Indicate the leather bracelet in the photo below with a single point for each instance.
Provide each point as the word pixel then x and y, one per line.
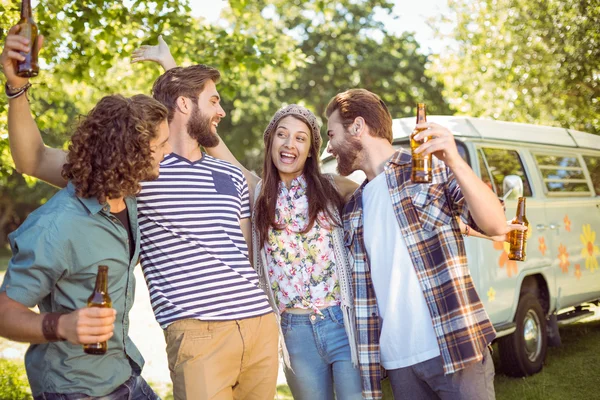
pixel 12 92
pixel 50 326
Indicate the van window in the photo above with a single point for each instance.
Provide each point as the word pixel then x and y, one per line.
pixel 562 174
pixel 486 177
pixel 503 162
pixel 593 164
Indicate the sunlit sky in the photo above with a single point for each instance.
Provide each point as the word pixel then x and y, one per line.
pixel 407 15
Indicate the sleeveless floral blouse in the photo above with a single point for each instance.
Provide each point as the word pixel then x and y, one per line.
pixel 301 267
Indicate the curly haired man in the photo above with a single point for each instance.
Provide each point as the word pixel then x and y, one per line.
pixel 57 250
pixel 220 330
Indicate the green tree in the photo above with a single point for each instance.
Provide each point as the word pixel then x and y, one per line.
pixel 528 61
pixel 86 56
pixel 334 46
pixel 270 53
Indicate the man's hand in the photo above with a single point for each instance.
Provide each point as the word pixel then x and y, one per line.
pixel 440 143
pixel 87 325
pixel 159 54
pixel 13 45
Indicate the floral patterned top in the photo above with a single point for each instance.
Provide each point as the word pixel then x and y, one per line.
pixel 301 267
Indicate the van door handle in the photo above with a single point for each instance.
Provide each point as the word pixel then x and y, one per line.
pixel 541 227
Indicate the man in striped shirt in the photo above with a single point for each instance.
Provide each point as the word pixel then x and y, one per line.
pixel 417 312
pixel 221 333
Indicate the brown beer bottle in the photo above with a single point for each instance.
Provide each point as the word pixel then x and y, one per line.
pixel 99 298
pixel 518 239
pixel 28 67
pixel 421 164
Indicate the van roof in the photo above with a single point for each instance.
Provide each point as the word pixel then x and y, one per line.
pixel 480 128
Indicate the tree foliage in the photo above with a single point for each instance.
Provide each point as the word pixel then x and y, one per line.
pixel 341 46
pixel 270 53
pixel 86 56
pixel 521 60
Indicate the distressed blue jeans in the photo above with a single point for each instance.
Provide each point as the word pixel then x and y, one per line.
pixel 320 357
pixel 135 388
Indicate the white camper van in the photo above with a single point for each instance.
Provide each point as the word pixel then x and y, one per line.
pixel 558 171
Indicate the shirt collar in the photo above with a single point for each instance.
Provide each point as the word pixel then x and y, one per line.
pixel 401 157
pixel 91 203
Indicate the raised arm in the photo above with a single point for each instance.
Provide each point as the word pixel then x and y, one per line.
pixel 28 151
pixel 484 207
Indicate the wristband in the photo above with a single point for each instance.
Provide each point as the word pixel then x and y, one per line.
pixel 50 326
pixel 13 92
pixel 467 229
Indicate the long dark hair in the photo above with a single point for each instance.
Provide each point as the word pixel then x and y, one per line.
pixel 321 194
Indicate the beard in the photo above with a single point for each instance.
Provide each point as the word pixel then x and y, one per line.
pixel 199 128
pixel 347 155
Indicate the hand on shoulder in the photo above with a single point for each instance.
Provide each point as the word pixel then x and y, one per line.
pixel 346 187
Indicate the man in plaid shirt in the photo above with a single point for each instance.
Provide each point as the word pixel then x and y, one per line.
pixel 417 311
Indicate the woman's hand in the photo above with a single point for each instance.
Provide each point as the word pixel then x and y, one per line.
pixel 510 227
pixel 497 238
pixel 159 54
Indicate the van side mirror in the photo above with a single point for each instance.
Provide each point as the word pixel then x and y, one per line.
pixel 512 187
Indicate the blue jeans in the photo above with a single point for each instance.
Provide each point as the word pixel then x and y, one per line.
pixel 320 357
pixel 134 388
pixel 427 380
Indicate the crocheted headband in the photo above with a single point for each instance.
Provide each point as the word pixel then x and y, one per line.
pixel 299 112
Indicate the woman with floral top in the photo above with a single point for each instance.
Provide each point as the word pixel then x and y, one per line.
pixel 298 251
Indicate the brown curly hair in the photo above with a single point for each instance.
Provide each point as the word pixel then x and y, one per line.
pixel 110 154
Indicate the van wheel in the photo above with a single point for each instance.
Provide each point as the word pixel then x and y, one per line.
pixel 523 353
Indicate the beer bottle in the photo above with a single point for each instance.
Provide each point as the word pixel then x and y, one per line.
pixel 518 239
pixel 421 164
pixel 28 67
pixel 99 298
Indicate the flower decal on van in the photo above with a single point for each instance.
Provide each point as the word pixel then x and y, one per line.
pixel 590 251
pixel 542 247
pixel 563 257
pixel 491 294
pixel 511 265
pixel 578 271
pixel 567 222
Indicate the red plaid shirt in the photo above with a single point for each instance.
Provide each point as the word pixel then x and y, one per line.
pixel 425 214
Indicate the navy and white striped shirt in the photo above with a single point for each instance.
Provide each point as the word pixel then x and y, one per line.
pixel 193 252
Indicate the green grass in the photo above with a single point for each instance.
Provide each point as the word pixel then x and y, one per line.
pixel 13 381
pixel 572 371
